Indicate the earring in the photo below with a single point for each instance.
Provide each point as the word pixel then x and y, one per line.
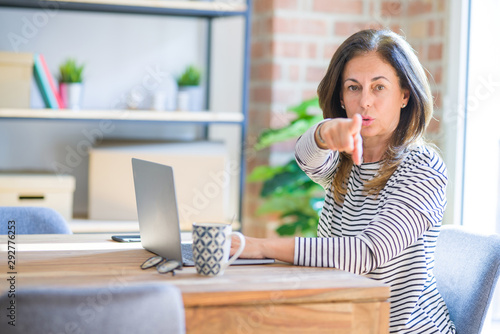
pixel 342 106
pixel 404 105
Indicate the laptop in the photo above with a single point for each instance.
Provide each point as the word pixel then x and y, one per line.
pixel 159 226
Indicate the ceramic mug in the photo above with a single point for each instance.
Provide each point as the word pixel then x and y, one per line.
pixel 211 246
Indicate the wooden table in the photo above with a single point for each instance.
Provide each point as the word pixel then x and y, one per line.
pixel 273 298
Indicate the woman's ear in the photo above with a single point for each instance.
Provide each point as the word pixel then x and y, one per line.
pixel 406 96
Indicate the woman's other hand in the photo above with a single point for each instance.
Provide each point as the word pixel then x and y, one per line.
pixel 253 247
pixel 259 248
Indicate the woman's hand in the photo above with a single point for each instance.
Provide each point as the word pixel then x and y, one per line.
pixel 258 248
pixel 343 135
pixel 253 247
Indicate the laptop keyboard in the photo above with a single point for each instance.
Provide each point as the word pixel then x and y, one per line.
pixel 187 252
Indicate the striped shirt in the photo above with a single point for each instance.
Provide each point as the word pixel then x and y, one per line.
pixel 390 237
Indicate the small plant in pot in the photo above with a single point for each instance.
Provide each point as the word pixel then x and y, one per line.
pixel 70 83
pixel 190 95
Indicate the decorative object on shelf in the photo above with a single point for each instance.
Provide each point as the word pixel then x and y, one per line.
pixel 190 95
pixel 46 83
pixel 287 190
pixel 134 98
pixel 71 84
pixel 165 96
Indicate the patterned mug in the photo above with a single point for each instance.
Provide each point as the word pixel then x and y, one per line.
pixel 211 246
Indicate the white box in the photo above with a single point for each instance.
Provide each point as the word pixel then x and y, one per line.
pixel 16 70
pixel 201 179
pixel 33 189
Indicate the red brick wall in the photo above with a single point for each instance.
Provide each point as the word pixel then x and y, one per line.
pixel 292 43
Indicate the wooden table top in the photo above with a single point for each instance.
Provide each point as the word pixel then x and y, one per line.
pixel 88 259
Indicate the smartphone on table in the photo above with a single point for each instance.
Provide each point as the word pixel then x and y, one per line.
pixel 127 238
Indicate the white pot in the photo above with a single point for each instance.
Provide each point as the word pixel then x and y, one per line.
pixel 71 94
pixel 193 96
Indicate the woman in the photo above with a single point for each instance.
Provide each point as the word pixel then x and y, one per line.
pixel 385 188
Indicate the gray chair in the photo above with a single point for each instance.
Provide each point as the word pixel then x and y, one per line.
pixel 119 308
pixel 467 267
pixel 32 220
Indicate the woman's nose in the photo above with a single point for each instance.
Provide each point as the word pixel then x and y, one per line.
pixel 366 99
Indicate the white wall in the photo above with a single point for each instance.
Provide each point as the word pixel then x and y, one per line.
pixel 121 52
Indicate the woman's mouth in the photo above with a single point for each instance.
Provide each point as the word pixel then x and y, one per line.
pixel 367 120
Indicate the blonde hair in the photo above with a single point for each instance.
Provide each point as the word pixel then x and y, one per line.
pixel 414 118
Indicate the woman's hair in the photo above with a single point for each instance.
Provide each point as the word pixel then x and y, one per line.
pixel 414 118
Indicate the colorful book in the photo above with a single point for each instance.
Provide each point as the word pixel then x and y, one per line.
pixel 52 84
pixel 43 84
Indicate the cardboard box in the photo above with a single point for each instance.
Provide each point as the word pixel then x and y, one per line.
pixel 201 179
pixel 33 189
pixel 16 70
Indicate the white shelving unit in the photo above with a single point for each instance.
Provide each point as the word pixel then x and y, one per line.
pixel 207 10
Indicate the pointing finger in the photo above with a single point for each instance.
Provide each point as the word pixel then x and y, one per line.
pixel 357 122
pixel 357 153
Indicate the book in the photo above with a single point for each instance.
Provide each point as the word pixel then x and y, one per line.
pixel 52 84
pixel 43 84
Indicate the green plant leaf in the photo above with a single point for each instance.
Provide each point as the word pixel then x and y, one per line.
pixel 305 226
pixel 190 77
pixel 291 179
pixel 311 232
pixel 286 203
pixel 277 204
pixel 287 229
pixel 300 215
pixel 70 71
pixel 263 173
pixel 294 130
pixel 306 107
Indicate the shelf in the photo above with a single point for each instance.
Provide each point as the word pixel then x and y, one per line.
pixel 156 7
pixel 124 115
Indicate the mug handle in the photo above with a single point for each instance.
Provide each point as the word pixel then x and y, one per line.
pixel 239 251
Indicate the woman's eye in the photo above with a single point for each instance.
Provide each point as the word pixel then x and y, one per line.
pixel 353 88
pixel 379 87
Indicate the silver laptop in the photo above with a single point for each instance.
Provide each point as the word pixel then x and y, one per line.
pixel 159 227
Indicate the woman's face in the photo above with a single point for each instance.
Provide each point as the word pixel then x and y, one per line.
pixel 370 87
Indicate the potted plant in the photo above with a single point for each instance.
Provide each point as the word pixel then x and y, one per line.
pixel 70 83
pixel 287 191
pixel 190 95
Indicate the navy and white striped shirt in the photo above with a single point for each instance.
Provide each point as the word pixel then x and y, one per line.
pixel 390 237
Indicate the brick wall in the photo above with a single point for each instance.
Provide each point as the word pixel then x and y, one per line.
pixel 292 44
